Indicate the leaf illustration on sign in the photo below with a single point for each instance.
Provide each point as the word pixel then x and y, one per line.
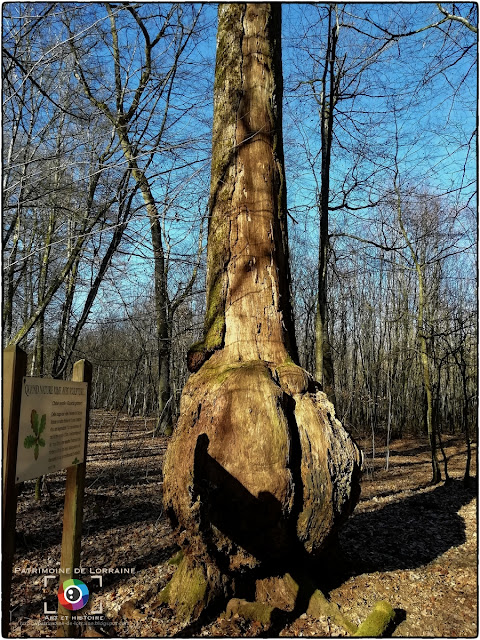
pixel 38 427
pixel 76 461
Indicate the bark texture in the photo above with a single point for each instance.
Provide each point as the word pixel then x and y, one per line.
pixel 259 471
pixel 327 102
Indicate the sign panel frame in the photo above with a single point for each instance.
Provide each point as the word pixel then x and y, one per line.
pixel 53 420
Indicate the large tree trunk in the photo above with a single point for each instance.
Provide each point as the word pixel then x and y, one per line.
pixel 259 473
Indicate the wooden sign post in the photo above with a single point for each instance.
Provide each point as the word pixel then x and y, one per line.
pixel 73 511
pixel 14 368
pixel 45 424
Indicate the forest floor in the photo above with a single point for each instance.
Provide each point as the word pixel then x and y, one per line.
pixel 407 542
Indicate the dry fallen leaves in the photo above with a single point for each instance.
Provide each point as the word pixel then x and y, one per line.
pixel 409 543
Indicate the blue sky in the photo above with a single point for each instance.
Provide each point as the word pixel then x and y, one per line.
pixel 435 117
pixel 427 79
pixel 435 103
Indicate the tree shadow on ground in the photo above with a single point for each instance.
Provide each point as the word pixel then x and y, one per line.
pixel 391 492
pixel 409 453
pixel 408 533
pixel 99 515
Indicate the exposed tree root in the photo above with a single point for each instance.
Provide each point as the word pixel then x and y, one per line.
pixel 377 621
pixel 279 601
pixel 249 610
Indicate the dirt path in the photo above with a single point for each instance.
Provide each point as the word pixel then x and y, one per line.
pixel 409 543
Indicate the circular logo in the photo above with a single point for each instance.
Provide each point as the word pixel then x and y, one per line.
pixel 73 594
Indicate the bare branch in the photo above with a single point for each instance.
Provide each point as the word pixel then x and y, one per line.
pixel 461 19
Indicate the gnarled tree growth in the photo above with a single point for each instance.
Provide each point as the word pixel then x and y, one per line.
pixel 259 473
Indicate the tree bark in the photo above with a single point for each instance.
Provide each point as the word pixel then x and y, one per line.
pixel 38 360
pixel 324 371
pixel 259 472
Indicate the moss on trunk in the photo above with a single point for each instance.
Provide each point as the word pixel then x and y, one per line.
pixel 186 592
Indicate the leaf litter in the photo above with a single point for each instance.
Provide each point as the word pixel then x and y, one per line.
pixel 407 542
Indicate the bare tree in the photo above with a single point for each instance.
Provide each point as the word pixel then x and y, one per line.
pixel 127 106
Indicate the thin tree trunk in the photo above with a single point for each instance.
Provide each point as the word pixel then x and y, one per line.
pixel 422 342
pixel 431 431
pixel 15 225
pixel 466 477
pixel 10 278
pixel 61 357
pixel 389 422
pixel 323 354
pixel 160 285
pixel 39 359
pixel 462 366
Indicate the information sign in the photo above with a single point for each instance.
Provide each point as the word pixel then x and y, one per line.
pixel 52 426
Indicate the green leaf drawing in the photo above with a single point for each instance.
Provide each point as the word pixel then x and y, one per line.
pixel 35 441
pixel 34 422
pixel 76 461
pixel 29 442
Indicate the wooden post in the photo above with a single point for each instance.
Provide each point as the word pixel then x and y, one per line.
pixel 14 368
pixel 73 510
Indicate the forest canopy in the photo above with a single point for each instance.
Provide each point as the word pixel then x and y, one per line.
pixel 107 127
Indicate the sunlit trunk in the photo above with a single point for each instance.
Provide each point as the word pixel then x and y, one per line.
pixel 259 472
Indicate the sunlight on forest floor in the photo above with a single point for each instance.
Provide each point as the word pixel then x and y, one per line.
pixel 407 542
